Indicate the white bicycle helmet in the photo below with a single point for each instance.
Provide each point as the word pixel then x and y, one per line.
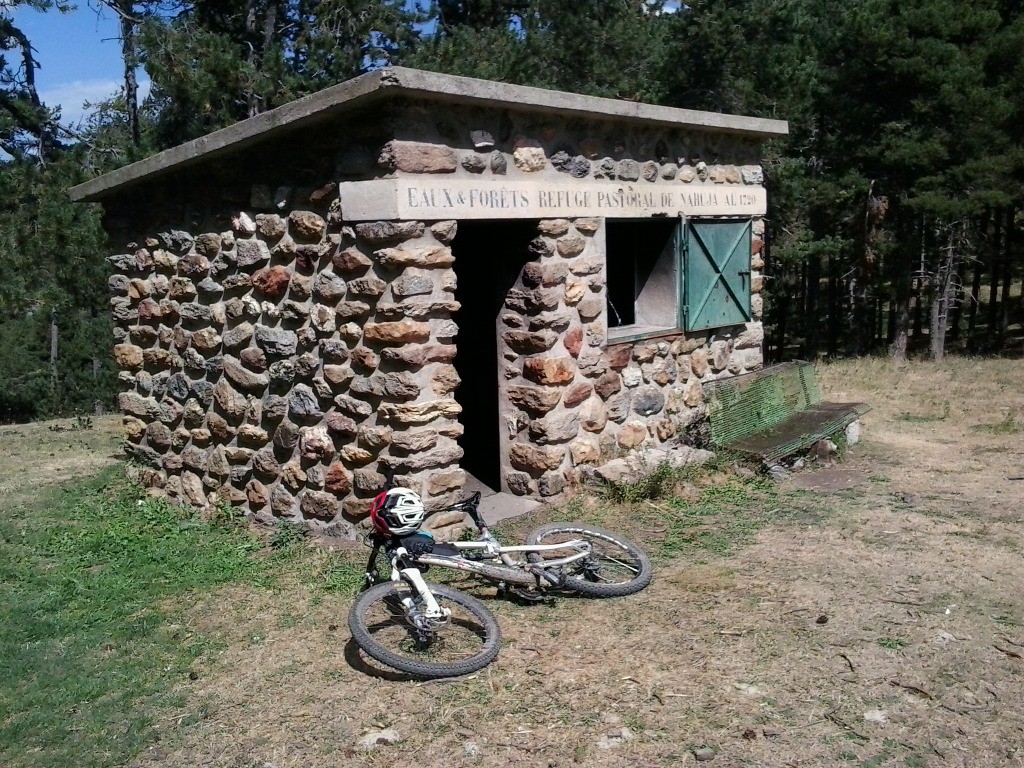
pixel 398 512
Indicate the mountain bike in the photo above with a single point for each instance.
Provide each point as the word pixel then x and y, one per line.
pixel 430 630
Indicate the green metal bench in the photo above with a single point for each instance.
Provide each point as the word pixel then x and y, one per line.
pixel 774 412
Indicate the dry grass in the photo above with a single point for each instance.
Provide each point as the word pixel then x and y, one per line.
pixel 51 452
pixel 871 615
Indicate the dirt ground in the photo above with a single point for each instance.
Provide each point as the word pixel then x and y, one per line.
pixel 50 452
pixel 884 626
pixel 880 624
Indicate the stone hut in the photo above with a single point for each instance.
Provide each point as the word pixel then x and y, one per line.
pixel 428 275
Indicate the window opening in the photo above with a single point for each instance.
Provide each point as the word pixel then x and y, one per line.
pixel 643 276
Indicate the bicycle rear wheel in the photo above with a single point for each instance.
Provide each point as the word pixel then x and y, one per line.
pixel 614 568
pixel 381 625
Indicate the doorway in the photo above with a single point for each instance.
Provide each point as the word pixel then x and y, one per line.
pixel 489 257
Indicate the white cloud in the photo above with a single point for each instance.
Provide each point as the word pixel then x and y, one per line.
pixel 72 96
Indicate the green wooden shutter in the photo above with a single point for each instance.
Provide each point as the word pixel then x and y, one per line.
pixel 716 281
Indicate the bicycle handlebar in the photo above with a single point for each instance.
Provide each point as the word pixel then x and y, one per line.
pixel 470 506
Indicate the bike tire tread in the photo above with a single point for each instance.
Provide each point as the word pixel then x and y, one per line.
pixel 364 639
pixel 589 588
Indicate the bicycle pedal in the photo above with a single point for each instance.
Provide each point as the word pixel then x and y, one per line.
pixel 527 596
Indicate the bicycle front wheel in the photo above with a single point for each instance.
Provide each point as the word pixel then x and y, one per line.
pixel 403 638
pixel 614 568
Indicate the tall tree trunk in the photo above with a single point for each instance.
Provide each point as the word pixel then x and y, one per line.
pixel 812 320
pixel 128 23
pixel 261 34
pixel 943 283
pixel 901 318
pixel 863 285
pixel 781 302
pixel 53 356
pixel 979 269
pixel 958 302
pixel 879 325
pixel 993 285
pixel 918 328
pixel 902 271
pixel 131 84
pixel 1009 240
pixel 835 312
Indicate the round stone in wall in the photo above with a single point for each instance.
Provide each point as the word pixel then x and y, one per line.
pixel 303 405
pixel 648 401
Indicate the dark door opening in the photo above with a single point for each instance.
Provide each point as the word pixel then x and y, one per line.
pixel 489 256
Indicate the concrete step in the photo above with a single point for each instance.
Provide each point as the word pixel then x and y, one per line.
pixel 496 506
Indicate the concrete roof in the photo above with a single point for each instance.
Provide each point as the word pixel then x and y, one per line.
pixel 413 83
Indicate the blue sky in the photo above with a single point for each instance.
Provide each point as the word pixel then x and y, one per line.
pixel 79 55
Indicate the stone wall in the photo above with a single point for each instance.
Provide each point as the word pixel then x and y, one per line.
pixel 478 142
pixel 280 358
pixel 572 399
pixel 287 363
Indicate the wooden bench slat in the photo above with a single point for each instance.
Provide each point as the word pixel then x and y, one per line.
pixel 774 412
pixel 800 430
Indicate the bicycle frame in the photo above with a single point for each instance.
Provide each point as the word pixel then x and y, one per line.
pixel 525 574
pixel 499 567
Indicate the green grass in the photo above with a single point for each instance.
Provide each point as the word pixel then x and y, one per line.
pixel 1009 425
pixel 940 414
pixel 726 515
pixel 719 511
pixel 652 485
pixel 892 643
pixel 88 652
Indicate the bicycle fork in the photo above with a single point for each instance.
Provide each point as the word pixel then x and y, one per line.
pixel 430 614
pixel 425 617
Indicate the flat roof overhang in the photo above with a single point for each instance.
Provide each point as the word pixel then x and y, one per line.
pixel 410 83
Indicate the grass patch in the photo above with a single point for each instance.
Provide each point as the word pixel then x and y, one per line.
pixel 728 513
pixel 892 643
pixel 88 654
pixel 925 418
pixel 1010 424
pixel 655 484
pixel 711 508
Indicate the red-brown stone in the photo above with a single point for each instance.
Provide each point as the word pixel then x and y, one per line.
pixel 401 332
pixel 257 494
pixel 272 282
pixel 416 157
pixel 253 358
pixel 421 354
pixel 318 504
pixel 534 399
pixel 576 394
pixel 365 358
pixel 608 385
pixel 535 459
pixel 557 371
pixel 306 226
pixel 128 356
pixel 573 341
pixel 526 343
pixel 351 261
pixel 618 357
pixel 340 425
pixel 149 311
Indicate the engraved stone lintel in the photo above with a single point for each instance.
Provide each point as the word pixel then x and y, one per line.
pixel 430 199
